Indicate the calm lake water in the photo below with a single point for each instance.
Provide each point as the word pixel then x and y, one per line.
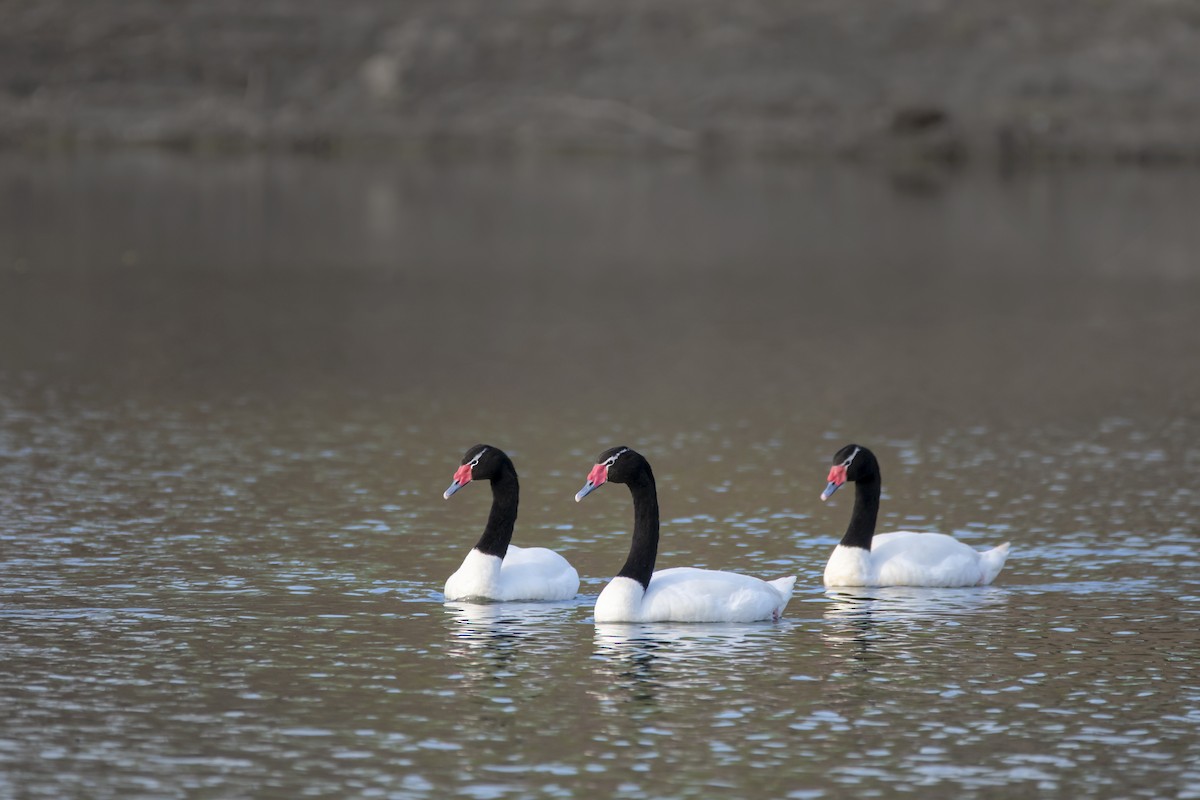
pixel 232 393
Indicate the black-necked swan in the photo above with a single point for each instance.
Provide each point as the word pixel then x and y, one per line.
pixel 903 558
pixel 496 569
pixel 679 594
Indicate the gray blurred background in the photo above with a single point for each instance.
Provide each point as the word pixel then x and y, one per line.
pixel 943 79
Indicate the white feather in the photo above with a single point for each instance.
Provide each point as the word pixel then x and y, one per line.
pixel 525 573
pixel 908 558
pixel 687 594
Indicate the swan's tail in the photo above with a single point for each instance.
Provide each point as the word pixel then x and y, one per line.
pixel 991 562
pixel 784 585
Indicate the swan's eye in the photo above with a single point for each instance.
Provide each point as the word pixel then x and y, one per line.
pixel 613 458
pixel 846 463
pixel 474 462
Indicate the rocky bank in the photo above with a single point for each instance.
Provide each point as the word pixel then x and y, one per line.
pixel 942 79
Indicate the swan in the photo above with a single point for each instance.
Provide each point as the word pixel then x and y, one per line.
pixel 903 558
pixel 680 594
pixel 495 569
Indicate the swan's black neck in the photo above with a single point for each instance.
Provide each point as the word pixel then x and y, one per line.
pixel 866 512
pixel 644 549
pixel 506 493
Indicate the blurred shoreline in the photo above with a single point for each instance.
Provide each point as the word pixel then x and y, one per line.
pixel 950 82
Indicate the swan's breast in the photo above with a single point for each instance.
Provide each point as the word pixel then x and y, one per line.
pixel 620 601
pixel 478 578
pixel 849 566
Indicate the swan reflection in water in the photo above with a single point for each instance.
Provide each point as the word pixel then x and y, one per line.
pixel 912 604
pixel 644 661
pixel 496 657
pixel 868 625
pixel 484 637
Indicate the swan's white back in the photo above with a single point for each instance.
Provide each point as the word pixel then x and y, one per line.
pixel 687 594
pixel 525 573
pixel 908 558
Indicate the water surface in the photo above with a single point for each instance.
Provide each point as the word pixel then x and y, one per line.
pixel 233 391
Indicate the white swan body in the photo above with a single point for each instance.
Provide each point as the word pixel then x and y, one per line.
pixel 687 594
pixel 680 594
pixel 496 569
pixel 908 558
pixel 902 558
pixel 525 573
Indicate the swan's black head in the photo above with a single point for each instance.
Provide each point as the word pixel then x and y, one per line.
pixel 482 462
pixel 852 463
pixel 616 464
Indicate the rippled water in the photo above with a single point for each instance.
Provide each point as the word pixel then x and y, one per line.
pixel 232 392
